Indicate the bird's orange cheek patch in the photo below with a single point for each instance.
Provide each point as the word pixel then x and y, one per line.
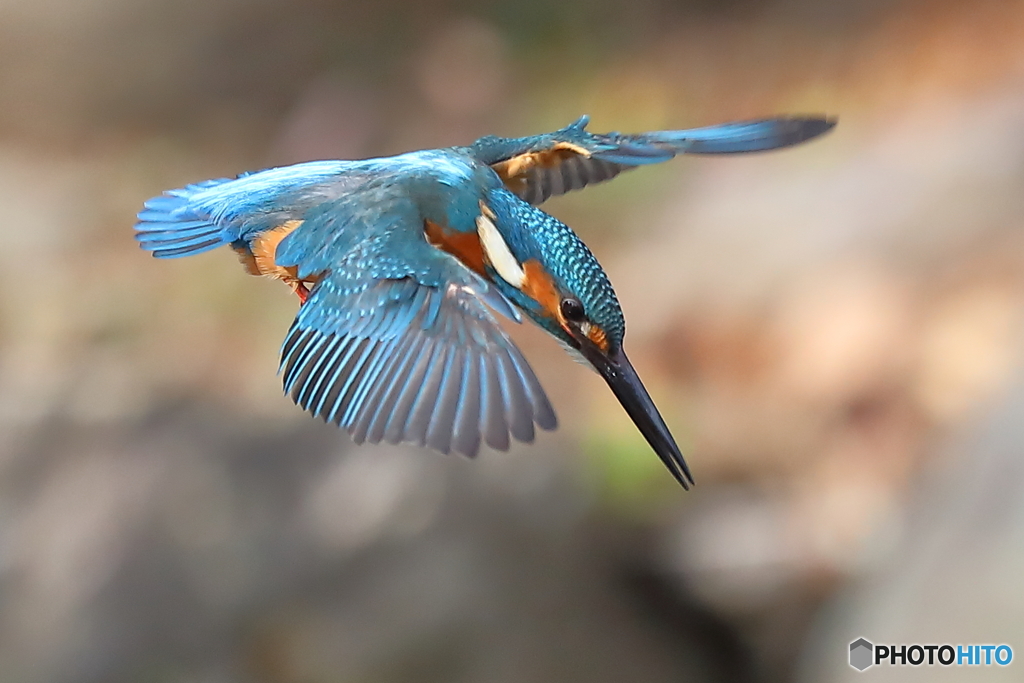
pixel 597 335
pixel 464 246
pixel 540 286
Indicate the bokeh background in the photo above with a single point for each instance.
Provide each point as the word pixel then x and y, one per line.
pixel 832 331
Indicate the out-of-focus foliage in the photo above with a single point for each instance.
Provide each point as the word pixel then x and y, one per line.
pixel 822 326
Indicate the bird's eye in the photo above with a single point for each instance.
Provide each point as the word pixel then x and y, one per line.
pixel 572 310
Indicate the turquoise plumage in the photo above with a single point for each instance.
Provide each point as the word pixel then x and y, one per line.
pixel 401 263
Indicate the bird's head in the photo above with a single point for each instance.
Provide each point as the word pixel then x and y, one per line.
pixel 548 272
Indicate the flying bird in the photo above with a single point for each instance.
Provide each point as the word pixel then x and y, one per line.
pixel 400 264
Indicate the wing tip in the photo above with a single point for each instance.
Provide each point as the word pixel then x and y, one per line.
pixel 813 126
pixel 170 226
pixel 755 135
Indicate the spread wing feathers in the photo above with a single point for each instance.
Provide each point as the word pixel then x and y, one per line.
pixel 206 215
pixel 395 360
pixel 543 166
pixel 168 227
pixel 573 172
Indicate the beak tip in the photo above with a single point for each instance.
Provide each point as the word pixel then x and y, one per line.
pixel 676 464
pixel 630 391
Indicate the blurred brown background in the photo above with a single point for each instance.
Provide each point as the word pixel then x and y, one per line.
pixel 832 331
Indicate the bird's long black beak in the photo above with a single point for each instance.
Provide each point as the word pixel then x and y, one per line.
pixel 627 387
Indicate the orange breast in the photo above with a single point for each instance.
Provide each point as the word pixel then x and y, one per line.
pixel 464 246
pixel 261 259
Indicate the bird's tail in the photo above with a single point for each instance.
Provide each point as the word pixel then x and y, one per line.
pixel 171 225
pixel 743 136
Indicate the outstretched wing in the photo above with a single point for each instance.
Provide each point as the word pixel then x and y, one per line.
pixel 206 215
pixel 396 341
pixel 543 166
pixel 395 360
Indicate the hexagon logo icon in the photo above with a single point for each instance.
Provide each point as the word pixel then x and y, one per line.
pixel 861 654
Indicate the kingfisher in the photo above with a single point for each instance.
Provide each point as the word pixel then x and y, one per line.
pixel 401 264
